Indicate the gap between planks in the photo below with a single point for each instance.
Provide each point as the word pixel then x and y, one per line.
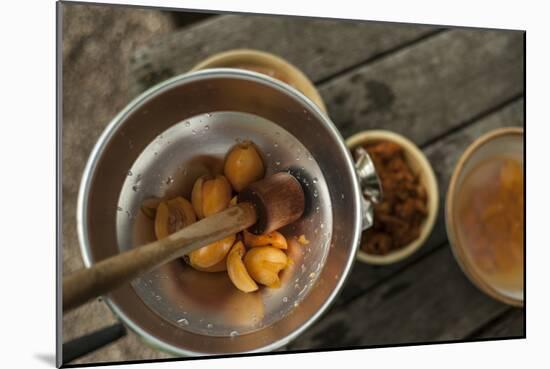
pixel 383 54
pixel 473 120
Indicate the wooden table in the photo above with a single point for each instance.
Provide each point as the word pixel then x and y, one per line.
pixel 440 87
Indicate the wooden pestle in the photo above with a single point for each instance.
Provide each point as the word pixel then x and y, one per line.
pixel 264 206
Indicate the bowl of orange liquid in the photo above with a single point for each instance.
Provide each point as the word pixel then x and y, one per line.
pixel 485 215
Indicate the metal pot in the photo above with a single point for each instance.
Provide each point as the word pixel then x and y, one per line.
pixel 158 145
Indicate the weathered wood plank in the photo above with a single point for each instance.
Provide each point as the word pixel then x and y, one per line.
pixel 425 90
pixel 319 47
pixel 428 302
pixel 443 156
pixel 510 324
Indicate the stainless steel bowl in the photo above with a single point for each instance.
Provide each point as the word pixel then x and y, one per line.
pixel 157 146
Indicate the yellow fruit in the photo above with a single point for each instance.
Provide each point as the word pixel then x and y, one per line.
pixel 264 264
pixel 218 267
pixel 243 165
pixel 172 215
pixel 212 254
pixel 274 239
pixel 237 271
pixel 210 195
pixel 149 207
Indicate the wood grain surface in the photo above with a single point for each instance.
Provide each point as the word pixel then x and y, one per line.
pixel 440 87
pixel 320 48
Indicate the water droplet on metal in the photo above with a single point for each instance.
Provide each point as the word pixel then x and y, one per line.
pixel 277 163
pixel 206 128
pixel 285 299
pixel 311 275
pixel 194 132
pixel 209 326
pixel 315 180
pixel 119 208
pixel 169 180
pixel 275 145
pixel 315 193
pixel 130 173
pixel 135 188
pixel 187 124
pixel 183 321
pixel 342 196
pixel 233 334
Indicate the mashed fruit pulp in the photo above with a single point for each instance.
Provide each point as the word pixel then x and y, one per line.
pixel 491 221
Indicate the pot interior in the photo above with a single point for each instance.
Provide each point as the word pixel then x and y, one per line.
pixel 208 303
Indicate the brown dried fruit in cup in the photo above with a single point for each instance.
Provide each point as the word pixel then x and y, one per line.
pixel 398 218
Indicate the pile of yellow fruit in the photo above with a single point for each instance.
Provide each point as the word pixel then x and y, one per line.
pixel 248 259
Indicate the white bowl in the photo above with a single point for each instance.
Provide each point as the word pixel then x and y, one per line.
pixel 420 167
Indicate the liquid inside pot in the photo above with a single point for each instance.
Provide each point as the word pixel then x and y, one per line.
pixel 208 303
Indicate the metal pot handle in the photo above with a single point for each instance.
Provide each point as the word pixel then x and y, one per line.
pixel 371 187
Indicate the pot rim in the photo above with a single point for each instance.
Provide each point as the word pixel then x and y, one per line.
pixel 107 134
